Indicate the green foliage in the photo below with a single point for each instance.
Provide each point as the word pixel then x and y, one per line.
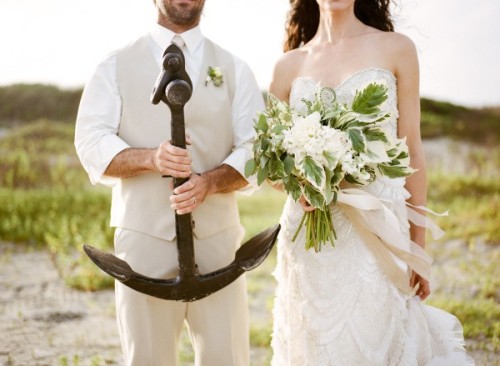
pixel 63 221
pixel 261 210
pixel 40 155
pixel 260 336
pixel 479 317
pixel 29 102
pixel 446 119
pixel 358 140
pixel 473 202
pixel 368 100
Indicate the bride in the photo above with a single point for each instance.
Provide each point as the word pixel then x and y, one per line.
pixel 340 306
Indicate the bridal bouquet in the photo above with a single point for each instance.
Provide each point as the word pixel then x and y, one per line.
pixel 309 151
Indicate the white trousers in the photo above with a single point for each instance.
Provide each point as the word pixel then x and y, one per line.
pixel 150 328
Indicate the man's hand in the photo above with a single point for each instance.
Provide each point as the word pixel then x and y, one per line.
pixel 172 161
pixel 223 179
pixel 423 289
pixel 190 195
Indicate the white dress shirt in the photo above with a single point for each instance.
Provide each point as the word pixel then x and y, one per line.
pixel 96 139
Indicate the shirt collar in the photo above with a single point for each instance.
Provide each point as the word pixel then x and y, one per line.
pixel 163 37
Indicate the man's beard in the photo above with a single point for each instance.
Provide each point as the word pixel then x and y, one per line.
pixel 182 15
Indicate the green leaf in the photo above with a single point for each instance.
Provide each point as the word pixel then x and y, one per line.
pixel 262 175
pixel 393 171
pixel 330 160
pixel 328 189
pixel 314 197
pixel 371 118
pixel 402 155
pixel 278 129
pixel 276 168
pixel 357 139
pixel 292 188
pixel 313 172
pixel 376 134
pixel 262 123
pixel 250 167
pixel 349 178
pixel 344 120
pixel 337 177
pixel 263 161
pixel 331 113
pixel 264 145
pixel 368 101
pixel 288 164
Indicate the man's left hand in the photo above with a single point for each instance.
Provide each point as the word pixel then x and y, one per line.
pixel 189 195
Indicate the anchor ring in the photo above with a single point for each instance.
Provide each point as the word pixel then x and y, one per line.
pixel 195 200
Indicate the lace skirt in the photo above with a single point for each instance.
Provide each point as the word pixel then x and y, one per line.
pixel 338 307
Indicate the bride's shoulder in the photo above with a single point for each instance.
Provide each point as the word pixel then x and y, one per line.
pixel 398 50
pixel 291 60
pixel 285 71
pixel 397 43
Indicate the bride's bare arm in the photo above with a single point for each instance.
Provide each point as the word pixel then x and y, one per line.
pixel 409 127
pixel 407 73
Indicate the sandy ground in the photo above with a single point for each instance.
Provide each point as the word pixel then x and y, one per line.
pixel 45 323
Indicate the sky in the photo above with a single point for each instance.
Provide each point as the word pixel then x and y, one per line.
pixel 61 41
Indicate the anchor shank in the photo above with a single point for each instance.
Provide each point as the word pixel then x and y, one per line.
pixel 184 229
pixel 177 127
pixel 185 246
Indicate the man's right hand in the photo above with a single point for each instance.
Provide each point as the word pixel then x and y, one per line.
pixel 172 161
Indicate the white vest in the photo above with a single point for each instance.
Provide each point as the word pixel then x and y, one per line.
pixel 142 203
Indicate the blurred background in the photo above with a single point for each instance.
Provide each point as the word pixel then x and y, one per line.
pixel 56 308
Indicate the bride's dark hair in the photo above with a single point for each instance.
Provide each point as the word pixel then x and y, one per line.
pixel 303 19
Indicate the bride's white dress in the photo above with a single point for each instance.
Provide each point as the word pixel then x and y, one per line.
pixel 337 307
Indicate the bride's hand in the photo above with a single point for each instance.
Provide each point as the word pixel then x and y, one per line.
pixel 423 289
pixel 306 206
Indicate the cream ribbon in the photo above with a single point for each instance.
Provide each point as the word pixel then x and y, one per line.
pixel 381 232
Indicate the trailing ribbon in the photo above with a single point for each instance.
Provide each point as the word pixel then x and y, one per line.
pixel 380 230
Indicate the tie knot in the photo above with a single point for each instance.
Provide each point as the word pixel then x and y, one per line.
pixel 178 41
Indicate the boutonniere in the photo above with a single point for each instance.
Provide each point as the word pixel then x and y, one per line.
pixel 214 75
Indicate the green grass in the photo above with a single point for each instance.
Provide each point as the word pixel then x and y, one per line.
pixel 40 155
pixel 479 318
pixel 473 202
pixel 260 210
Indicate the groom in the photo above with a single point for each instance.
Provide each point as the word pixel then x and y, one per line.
pixel 122 140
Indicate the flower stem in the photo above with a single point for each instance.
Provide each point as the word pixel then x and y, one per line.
pixel 318 228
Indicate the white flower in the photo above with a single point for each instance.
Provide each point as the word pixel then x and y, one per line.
pixel 336 143
pixel 351 164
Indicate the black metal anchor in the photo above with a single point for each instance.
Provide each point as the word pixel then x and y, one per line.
pixel 174 88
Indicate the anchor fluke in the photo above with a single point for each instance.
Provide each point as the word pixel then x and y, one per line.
pixel 192 287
